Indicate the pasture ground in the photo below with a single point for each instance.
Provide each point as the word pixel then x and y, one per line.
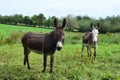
pixel 68 64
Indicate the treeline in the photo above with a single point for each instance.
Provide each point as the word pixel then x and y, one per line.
pixel 74 23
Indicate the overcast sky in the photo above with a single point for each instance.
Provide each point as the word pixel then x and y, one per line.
pixel 61 8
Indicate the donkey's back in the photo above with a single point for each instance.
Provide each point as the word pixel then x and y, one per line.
pixel 87 37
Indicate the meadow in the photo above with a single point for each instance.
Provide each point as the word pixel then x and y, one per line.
pixel 68 64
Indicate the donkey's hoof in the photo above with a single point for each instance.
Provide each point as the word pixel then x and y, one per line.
pixel 24 63
pixel 81 56
pixel 51 72
pixel 29 68
pixel 43 71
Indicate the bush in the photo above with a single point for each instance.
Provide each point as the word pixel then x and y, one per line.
pixel 14 37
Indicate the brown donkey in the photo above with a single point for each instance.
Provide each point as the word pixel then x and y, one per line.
pixel 45 44
pixel 90 40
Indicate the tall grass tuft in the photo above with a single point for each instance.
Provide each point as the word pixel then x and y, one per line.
pixel 1 39
pixel 14 37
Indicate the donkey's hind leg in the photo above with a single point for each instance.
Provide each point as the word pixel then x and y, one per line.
pixel 26 60
pixel 25 52
pixel 82 50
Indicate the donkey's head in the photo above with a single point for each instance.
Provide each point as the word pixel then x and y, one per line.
pixel 59 33
pixel 95 31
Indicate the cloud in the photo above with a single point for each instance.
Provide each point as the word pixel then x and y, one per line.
pixel 94 8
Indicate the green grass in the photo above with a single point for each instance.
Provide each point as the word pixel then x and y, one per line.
pixel 68 64
pixel 5 30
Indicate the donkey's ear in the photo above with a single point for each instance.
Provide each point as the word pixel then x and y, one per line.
pixel 91 25
pixel 64 23
pixel 55 22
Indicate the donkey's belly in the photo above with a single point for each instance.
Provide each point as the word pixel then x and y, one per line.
pixel 37 48
pixel 36 51
pixel 86 45
pixel 35 45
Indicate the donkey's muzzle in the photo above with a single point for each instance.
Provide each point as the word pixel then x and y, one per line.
pixel 59 48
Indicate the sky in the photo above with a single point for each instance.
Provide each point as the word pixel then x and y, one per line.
pixel 61 8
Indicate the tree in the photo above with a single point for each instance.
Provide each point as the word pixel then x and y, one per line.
pixel 27 20
pixel 49 22
pixel 34 20
pixel 86 17
pixel 71 23
pixel 17 18
pixel 5 20
pixel 84 25
pixel 0 19
pixel 79 18
pixel 41 19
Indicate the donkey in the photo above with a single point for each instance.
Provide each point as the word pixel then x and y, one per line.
pixel 90 40
pixel 45 44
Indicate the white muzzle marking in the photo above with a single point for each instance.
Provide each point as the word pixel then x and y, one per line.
pixel 95 34
pixel 59 44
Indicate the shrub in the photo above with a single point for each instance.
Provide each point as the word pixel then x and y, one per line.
pixel 14 37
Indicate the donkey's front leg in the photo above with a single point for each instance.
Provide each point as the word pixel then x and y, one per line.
pixel 44 62
pixel 88 51
pixel 51 63
pixel 94 53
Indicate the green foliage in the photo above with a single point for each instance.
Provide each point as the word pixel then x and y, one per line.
pixel 14 37
pixel 27 20
pixel 71 23
pixel 12 34
pixel 110 38
pixel 84 25
pixel 74 23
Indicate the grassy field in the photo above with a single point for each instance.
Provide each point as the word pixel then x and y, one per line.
pixel 68 64
pixel 5 30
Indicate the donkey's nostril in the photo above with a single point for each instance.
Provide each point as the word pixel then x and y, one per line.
pixel 59 48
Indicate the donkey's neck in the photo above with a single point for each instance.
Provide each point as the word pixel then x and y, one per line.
pixel 51 39
pixel 49 43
